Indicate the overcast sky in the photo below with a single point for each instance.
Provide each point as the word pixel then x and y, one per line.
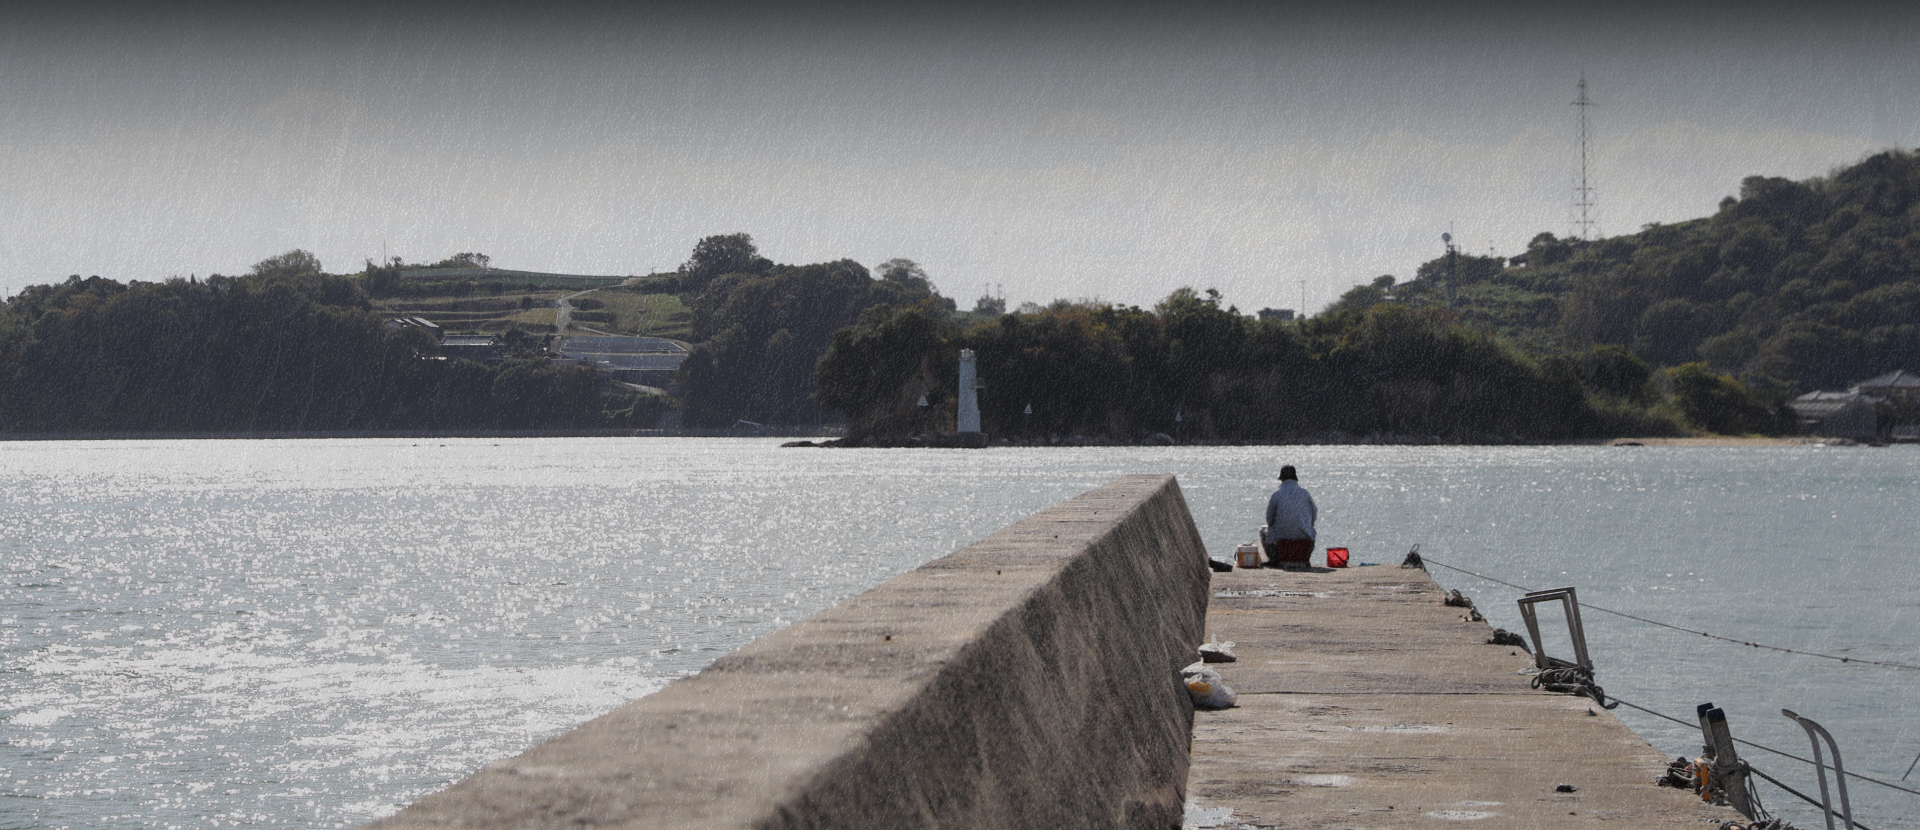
pixel 1071 151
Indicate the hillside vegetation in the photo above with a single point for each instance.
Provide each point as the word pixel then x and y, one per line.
pixel 1704 325
pixel 761 331
pixel 1192 369
pixel 1708 325
pixel 1790 287
pixel 277 350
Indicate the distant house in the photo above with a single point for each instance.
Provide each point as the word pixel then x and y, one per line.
pixel 1839 414
pixel 1878 407
pixel 647 361
pixel 415 322
pixel 644 369
pixel 1900 386
pixel 620 345
pixel 1282 314
pixel 481 347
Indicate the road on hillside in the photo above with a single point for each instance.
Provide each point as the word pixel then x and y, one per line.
pixel 564 315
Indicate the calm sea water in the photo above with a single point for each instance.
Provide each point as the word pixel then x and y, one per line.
pixel 315 633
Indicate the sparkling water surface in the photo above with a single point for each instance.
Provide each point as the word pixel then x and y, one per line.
pixel 315 633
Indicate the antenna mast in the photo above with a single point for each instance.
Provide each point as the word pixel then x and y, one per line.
pixel 1583 195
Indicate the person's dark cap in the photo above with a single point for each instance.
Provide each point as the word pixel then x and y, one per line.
pixel 1287 473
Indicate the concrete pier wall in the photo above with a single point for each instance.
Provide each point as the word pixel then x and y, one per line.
pixel 1028 680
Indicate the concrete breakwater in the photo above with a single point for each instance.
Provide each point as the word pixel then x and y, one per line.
pixel 1367 703
pixel 1029 679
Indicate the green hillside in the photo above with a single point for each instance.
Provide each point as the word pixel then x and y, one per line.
pixel 1792 286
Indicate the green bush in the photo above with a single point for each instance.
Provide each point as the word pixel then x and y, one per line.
pixel 1721 404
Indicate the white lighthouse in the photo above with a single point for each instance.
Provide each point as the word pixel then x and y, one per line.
pixel 968 418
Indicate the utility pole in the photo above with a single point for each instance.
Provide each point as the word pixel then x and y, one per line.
pixel 1583 195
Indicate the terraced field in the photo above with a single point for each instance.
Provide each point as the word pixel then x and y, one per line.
pixel 617 310
pixel 624 311
pixel 532 312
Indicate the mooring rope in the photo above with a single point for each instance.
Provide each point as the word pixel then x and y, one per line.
pixel 1884 663
pixel 1601 697
pixel 1696 725
pixel 1574 680
pixel 1805 797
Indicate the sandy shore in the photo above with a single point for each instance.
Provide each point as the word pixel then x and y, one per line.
pixel 1727 441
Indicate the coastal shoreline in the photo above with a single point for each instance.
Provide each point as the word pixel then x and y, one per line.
pixel 830 437
pixel 1735 441
pixel 925 441
pixel 243 435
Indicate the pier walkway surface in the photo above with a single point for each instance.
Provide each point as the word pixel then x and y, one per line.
pixel 1366 703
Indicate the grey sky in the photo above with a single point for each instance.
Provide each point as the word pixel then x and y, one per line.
pixel 1073 151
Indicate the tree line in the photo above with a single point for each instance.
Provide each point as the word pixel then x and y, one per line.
pixel 1708 324
pixel 1192 369
pixel 288 347
pixel 760 328
pixel 283 348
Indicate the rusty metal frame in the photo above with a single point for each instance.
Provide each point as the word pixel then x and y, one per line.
pixel 1570 602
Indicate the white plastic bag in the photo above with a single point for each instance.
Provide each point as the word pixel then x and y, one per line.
pixel 1218 652
pixel 1206 687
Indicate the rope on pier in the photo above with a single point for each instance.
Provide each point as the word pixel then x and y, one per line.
pixel 1883 663
pixel 1695 724
pixel 1598 695
pixel 1706 778
pixel 1578 681
pixel 1574 680
pixel 1768 822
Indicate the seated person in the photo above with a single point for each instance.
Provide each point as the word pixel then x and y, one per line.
pixel 1289 535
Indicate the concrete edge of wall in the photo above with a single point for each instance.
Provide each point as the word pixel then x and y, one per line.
pixel 1027 680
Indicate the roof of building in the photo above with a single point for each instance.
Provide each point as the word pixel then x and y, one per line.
pixel 1898 378
pixel 620 345
pixel 470 340
pixel 646 362
pixel 1821 405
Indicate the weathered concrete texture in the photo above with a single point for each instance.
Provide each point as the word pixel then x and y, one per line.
pixel 1365 703
pixel 1028 680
